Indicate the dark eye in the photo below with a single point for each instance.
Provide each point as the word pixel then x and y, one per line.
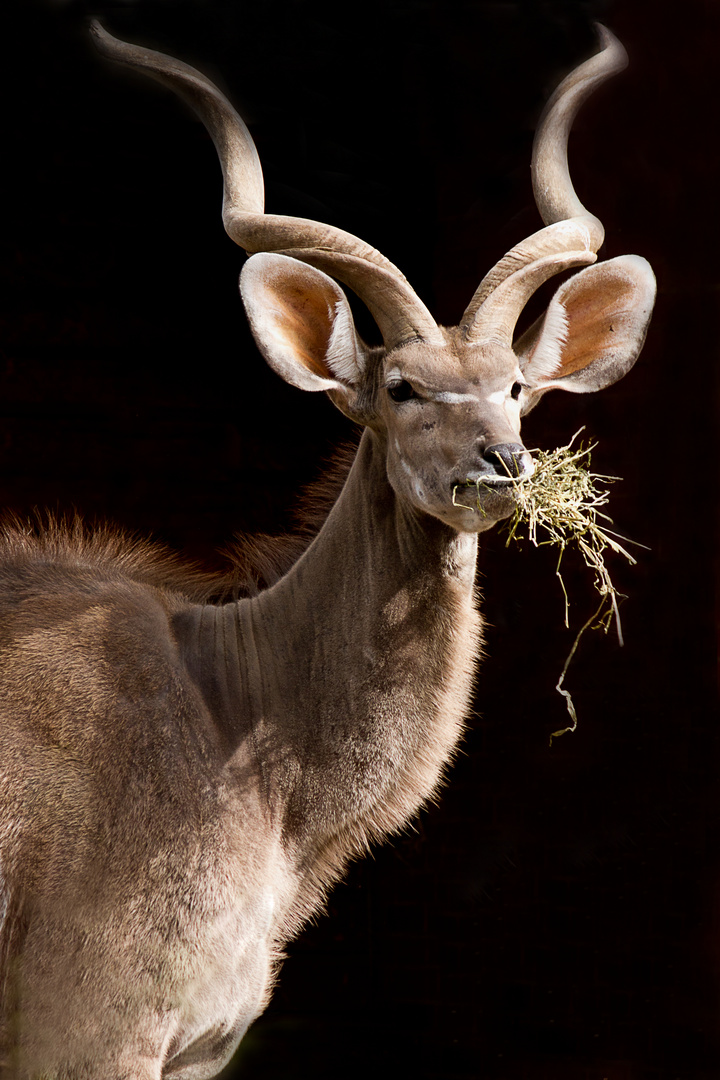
pixel 516 390
pixel 401 391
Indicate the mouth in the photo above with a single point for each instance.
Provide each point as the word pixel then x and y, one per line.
pixel 485 493
pixel 492 492
pixel 490 480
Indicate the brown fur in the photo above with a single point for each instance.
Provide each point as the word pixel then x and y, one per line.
pixel 130 720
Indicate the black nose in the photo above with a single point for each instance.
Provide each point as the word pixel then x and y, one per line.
pixel 506 458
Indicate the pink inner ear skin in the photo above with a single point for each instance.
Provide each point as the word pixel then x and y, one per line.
pixel 607 307
pixel 597 325
pixel 305 324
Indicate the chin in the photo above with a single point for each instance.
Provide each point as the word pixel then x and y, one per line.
pixel 476 515
pixel 477 518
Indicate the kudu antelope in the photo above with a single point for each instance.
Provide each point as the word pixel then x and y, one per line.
pixel 181 781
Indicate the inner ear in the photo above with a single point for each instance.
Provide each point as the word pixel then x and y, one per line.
pixel 593 330
pixel 302 323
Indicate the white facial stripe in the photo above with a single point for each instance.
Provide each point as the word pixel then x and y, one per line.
pixel 449 398
pixel 498 398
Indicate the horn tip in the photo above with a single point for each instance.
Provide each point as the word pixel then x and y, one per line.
pixel 97 29
pixel 615 52
pixel 104 42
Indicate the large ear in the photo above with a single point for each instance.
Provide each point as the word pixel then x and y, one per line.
pixel 592 332
pixel 302 323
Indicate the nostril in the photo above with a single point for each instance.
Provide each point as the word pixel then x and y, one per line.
pixel 506 458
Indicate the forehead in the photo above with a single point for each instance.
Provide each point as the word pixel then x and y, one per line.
pixel 456 364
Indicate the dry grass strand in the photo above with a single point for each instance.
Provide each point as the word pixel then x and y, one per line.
pixel 561 504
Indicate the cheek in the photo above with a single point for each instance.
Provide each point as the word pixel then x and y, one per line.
pixel 418 482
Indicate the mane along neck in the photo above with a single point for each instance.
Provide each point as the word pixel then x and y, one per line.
pixel 261 559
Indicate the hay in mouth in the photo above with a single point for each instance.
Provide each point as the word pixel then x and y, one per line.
pixel 560 504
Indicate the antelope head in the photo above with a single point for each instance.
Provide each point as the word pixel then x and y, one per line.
pixel 445 403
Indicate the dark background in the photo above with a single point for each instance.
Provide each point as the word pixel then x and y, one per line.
pixel 557 916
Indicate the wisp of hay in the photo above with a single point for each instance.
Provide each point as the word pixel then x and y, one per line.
pixel 560 504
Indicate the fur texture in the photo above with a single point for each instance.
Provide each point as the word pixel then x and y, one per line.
pixel 180 782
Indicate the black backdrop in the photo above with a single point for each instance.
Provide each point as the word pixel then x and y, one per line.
pixel 558 914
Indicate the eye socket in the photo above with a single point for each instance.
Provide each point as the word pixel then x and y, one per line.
pixel 516 390
pixel 401 391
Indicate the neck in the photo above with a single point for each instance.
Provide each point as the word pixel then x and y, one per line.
pixel 352 675
pixel 373 551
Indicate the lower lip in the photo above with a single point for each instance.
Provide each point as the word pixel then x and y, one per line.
pixel 487 483
pixel 485 497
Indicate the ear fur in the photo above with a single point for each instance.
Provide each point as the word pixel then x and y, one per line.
pixel 302 323
pixel 592 332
